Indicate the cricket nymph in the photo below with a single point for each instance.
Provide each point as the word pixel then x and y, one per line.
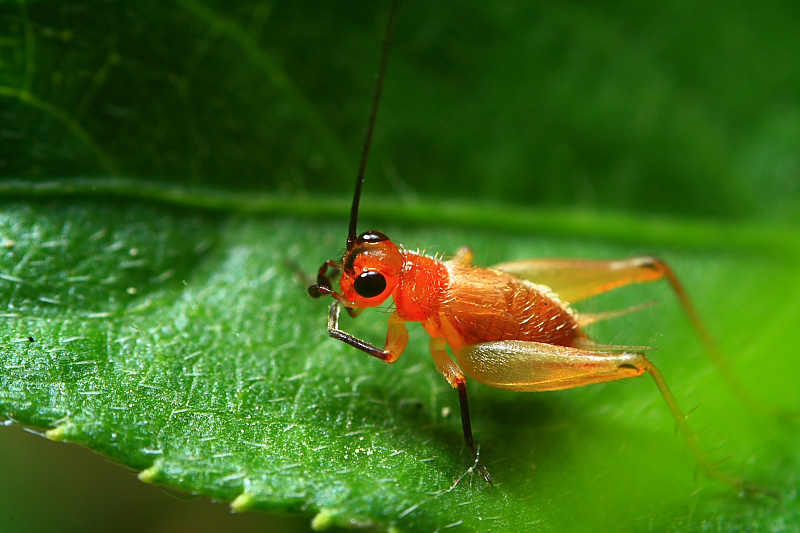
pixel 510 326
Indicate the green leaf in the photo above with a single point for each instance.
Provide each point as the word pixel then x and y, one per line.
pixel 168 167
pixel 182 344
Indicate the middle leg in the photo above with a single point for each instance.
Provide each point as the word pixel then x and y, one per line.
pixel 456 378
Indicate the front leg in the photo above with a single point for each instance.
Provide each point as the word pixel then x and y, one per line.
pixel 396 336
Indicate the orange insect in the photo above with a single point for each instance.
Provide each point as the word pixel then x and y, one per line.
pixel 509 327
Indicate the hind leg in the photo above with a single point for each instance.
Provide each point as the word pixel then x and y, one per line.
pixel 533 366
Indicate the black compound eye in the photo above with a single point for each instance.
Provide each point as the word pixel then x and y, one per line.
pixel 369 284
pixel 372 236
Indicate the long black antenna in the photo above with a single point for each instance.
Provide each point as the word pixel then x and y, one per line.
pixel 387 45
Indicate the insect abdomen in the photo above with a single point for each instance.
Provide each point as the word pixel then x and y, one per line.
pixel 484 305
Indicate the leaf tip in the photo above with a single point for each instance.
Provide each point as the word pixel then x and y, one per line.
pixel 243 502
pixel 60 433
pixel 56 434
pixel 323 520
pixel 150 475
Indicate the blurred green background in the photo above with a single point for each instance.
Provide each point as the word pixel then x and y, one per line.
pixel 58 487
pixel 659 110
pixel 617 106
